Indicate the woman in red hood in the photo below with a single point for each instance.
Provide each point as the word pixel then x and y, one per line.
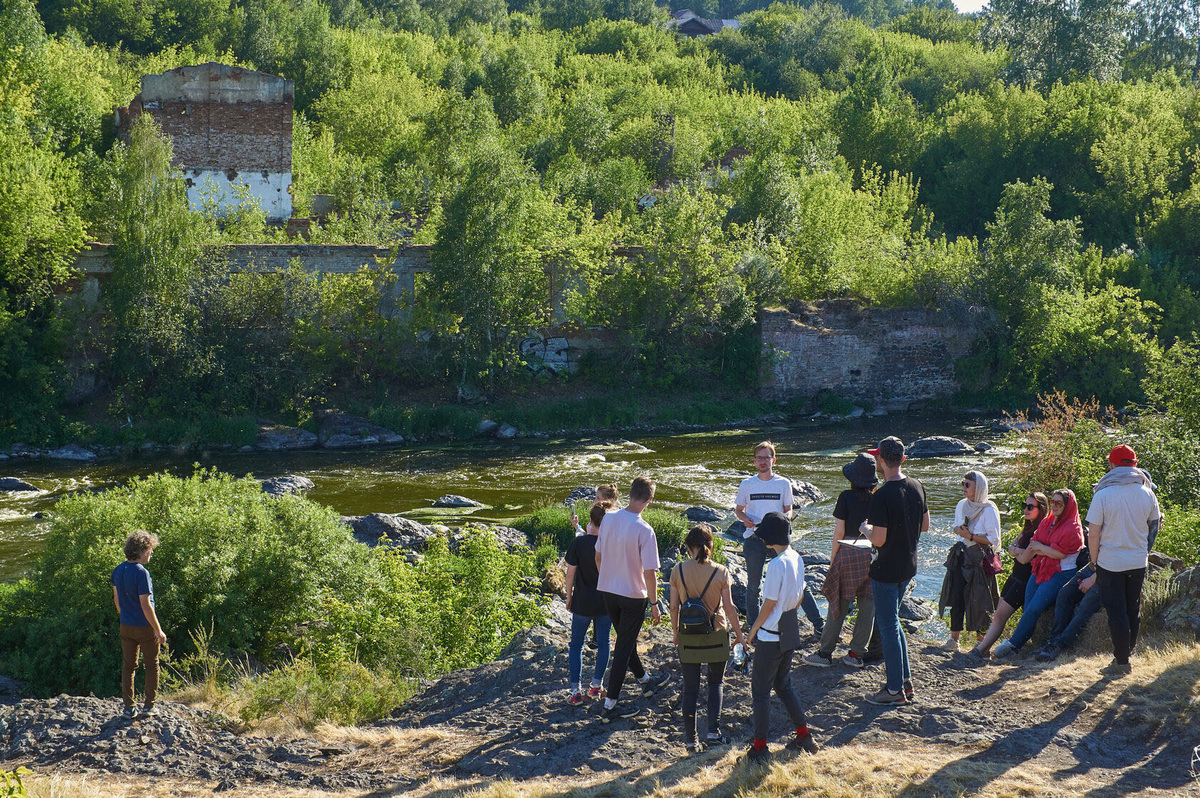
pixel 1055 543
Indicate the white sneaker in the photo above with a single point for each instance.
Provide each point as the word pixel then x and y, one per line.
pixel 950 645
pixel 1004 650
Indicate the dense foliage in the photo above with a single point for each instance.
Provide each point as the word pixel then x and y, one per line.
pixel 1031 170
pixel 254 576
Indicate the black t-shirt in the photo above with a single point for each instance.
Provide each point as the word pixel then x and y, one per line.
pixel 585 599
pixel 899 506
pixel 852 507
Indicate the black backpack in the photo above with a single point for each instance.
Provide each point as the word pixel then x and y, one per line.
pixel 694 617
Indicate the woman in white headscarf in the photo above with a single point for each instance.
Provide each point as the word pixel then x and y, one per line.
pixel 977 524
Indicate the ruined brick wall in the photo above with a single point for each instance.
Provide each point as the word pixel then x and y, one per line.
pixel 231 129
pixel 893 358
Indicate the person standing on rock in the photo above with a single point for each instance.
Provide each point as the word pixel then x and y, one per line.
pixel 897 516
pixel 627 561
pixel 776 636
pixel 849 580
pixel 587 609
pixel 765 492
pixel 1122 520
pixel 133 596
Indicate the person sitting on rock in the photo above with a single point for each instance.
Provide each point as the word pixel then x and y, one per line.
pixel 968 590
pixel 849 580
pixel 1055 543
pixel 776 636
pixel 587 610
pixel 133 596
pixel 1012 595
pixel 708 581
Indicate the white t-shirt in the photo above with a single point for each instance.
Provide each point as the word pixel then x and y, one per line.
pixel 986 523
pixel 783 582
pixel 627 547
pixel 1123 513
pixel 761 496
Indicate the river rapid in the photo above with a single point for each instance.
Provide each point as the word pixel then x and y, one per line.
pixel 512 477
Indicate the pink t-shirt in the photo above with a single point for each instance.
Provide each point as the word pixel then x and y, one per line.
pixel 627 547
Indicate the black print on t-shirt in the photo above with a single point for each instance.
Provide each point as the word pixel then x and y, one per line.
pixel 764 497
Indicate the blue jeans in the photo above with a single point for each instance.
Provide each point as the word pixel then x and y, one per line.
pixel 1073 610
pixel 1038 598
pixel 888 596
pixel 811 611
pixel 579 627
pixel 755 552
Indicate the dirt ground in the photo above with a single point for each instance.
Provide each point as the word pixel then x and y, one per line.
pixel 505 729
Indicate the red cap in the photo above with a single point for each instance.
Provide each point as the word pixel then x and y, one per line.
pixel 1122 456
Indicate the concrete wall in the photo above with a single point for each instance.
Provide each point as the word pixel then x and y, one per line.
pixel 229 125
pixel 893 358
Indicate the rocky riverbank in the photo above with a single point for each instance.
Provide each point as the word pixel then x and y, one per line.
pixel 974 729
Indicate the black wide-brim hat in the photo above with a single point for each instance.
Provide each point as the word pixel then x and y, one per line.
pixel 860 472
pixel 774 529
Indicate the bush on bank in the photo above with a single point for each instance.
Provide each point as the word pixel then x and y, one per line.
pixel 260 579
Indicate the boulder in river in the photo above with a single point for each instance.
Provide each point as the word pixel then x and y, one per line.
pixel 393 531
pixel 582 495
pixel 487 427
pixel 937 446
pixel 72 451
pixel 704 514
pixel 343 431
pixel 805 493
pixel 288 483
pixel 14 485
pixel 278 438
pixel 1012 425
pixel 454 500
pixel 507 432
pixel 982 448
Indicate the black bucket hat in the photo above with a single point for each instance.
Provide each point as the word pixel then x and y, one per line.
pixel 774 529
pixel 860 472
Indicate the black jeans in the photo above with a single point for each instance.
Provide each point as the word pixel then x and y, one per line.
pixel 691 695
pixel 772 668
pixel 627 615
pixel 1121 594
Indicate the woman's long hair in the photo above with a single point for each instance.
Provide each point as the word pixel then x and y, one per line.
pixel 700 540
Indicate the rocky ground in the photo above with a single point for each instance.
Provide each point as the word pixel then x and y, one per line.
pixel 509 720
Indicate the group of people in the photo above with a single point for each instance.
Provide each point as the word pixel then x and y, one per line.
pixel 1057 563
pixel 878 521
pixel 612 582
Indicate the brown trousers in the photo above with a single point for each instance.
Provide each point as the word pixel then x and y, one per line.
pixel 133 638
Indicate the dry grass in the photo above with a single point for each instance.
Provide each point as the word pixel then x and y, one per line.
pixel 1165 684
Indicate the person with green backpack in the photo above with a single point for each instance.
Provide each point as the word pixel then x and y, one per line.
pixel 701 606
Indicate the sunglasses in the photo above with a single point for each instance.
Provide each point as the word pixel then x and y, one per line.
pixel 1032 506
pixel 966 483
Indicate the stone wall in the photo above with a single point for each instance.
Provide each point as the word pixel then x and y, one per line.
pixel 892 358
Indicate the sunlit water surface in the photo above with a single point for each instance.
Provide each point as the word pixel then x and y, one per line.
pixel 511 478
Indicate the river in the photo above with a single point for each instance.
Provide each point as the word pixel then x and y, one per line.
pixel 512 477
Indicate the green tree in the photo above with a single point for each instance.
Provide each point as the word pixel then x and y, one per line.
pixel 1059 40
pixel 158 244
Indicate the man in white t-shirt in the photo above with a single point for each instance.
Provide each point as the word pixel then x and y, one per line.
pixel 627 560
pixel 775 635
pixel 765 492
pixel 1123 517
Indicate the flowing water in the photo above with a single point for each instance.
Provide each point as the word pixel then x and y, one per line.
pixel 511 478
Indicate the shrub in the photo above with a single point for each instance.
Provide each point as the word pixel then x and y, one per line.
pixel 1067 449
pixel 552 524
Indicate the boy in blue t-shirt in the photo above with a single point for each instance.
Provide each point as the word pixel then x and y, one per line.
pixel 133 595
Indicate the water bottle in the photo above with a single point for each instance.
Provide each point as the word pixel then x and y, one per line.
pixel 739 655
